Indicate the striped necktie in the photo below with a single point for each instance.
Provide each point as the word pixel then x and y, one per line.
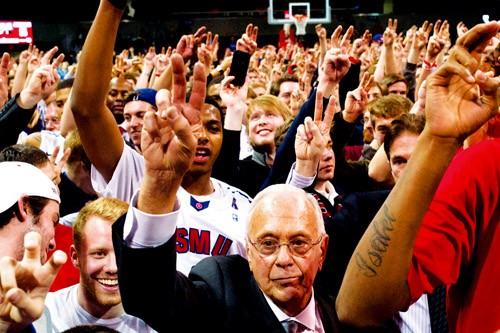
pixel 437 310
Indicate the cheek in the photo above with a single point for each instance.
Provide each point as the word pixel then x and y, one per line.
pixel 90 265
pixel 397 170
pixel 252 124
pixel 277 122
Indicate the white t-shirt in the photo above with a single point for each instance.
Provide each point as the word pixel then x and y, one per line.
pixel 65 312
pixel 208 225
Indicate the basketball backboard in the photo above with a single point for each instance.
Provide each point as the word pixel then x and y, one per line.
pixel 283 11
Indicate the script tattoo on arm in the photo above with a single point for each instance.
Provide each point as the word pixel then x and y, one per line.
pixel 379 243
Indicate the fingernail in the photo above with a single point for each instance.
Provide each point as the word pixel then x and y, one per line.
pixel 481 77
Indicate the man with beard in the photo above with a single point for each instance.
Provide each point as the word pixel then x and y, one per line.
pixel 96 299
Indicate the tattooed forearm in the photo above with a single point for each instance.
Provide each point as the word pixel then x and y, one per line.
pixel 379 242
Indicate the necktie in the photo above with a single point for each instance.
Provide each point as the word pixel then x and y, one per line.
pixel 437 310
pixel 291 326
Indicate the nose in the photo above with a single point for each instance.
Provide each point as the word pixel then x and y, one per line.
pixel 284 256
pixel 327 153
pixel 111 266
pixel 134 121
pixel 202 136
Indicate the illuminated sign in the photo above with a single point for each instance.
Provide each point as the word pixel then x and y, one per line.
pixel 16 32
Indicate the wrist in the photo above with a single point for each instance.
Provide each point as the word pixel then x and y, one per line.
pixel 306 168
pixel 353 60
pixel 219 70
pixel 428 65
pixel 27 101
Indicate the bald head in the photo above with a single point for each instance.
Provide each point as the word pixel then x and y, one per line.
pixel 283 202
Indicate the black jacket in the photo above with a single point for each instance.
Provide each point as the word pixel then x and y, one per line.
pixel 220 295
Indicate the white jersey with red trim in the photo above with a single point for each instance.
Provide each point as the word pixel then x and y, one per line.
pixel 208 225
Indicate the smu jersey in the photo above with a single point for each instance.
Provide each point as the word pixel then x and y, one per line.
pixel 208 225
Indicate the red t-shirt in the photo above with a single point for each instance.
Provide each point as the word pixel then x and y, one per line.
pixel 459 241
pixel 68 275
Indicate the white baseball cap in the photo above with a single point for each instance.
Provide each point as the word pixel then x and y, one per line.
pixel 20 178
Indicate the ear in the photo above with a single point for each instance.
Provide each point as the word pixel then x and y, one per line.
pixel 324 248
pixel 23 209
pixel 249 254
pixel 74 256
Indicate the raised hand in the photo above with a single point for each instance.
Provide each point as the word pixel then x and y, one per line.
pixel 191 110
pixel 4 86
pixel 357 99
pixel 41 84
pixel 459 97
pixel 312 137
pixel 59 163
pixel 188 44
pixel 248 41
pixel 336 63
pixel 168 143
pixel 24 285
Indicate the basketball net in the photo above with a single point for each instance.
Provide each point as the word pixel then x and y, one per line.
pixel 300 21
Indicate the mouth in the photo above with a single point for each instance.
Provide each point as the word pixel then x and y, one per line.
pixel 108 282
pixel 264 132
pixel 327 168
pixel 201 155
pixel 287 280
pixel 135 133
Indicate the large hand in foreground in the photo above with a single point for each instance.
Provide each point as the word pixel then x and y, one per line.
pixel 24 285
pixel 169 139
pixel 459 97
pixel 168 143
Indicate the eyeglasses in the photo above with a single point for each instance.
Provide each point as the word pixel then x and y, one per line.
pixel 297 246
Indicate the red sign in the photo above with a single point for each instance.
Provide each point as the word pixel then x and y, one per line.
pixel 16 32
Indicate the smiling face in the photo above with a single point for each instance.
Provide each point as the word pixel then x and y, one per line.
pixel 95 258
pixel 133 113
pixel 45 224
pixel 262 127
pixel 284 277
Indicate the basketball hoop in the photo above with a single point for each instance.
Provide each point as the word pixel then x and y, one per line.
pixel 300 21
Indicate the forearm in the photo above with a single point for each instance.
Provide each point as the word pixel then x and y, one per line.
pixel 164 81
pixel 380 264
pixel 13 119
pixel 96 62
pixel 421 78
pixel 234 116
pixel 143 79
pixel 379 169
pixel 158 193
pixel 88 96
pixel 390 62
pixel 19 79
pixel 380 67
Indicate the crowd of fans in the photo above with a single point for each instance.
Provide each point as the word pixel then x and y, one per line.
pixel 342 186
